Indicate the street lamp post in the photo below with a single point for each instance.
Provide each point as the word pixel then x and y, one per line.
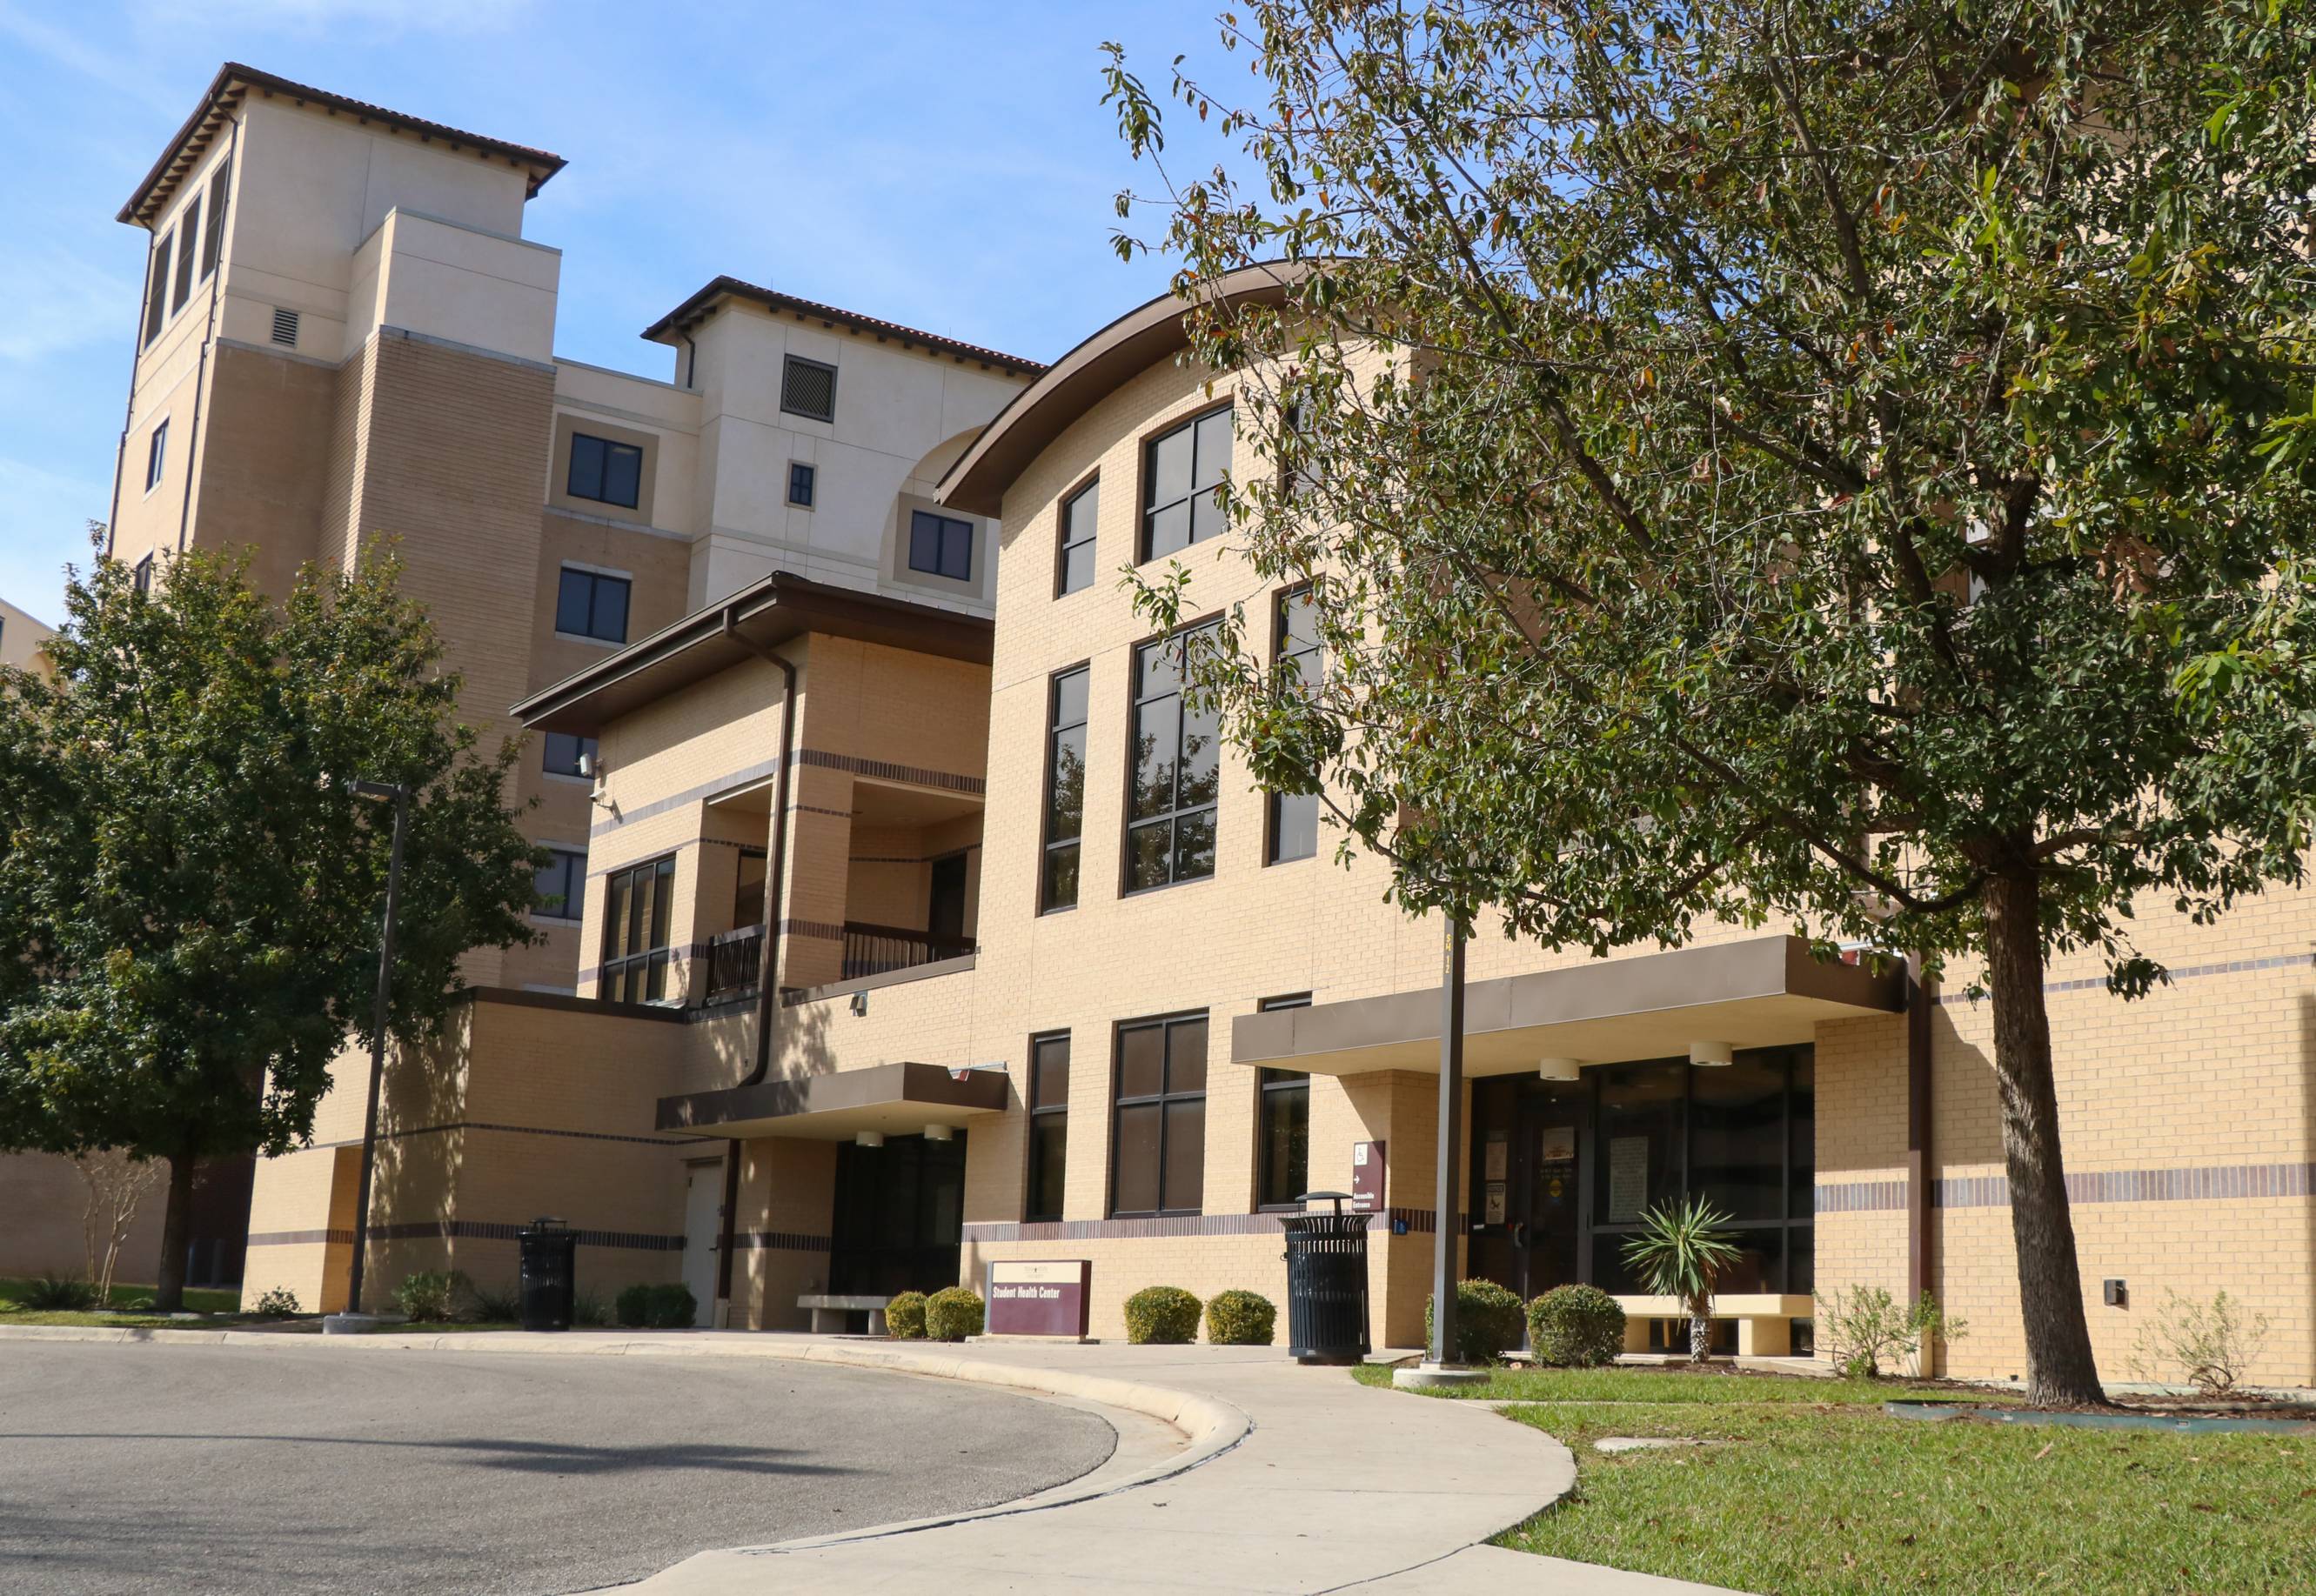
pixel 400 795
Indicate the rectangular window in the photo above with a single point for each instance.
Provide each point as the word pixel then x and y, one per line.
pixel 591 605
pixel 1176 757
pixel 564 753
pixel 635 932
pixel 213 231
pixel 1294 824
pixel 1065 745
pixel 800 484
pixel 1160 1132
pixel 940 546
pixel 563 884
pixel 143 574
pixel 606 472
pixel 808 388
pixel 1283 1125
pixel 1075 567
pixel 1179 472
pixel 157 455
pixel 189 233
pixel 1049 1126
pixel 156 290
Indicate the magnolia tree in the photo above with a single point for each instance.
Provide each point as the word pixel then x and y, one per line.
pixel 1843 466
pixel 190 889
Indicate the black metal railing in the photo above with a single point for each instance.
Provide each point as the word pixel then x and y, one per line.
pixel 734 961
pixel 875 950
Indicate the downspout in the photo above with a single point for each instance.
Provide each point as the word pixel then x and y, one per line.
pixel 768 997
pixel 691 361
pixel 208 337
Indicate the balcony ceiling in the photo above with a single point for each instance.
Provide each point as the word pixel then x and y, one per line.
pixel 897 1099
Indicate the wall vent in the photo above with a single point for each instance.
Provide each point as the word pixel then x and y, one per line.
pixel 808 388
pixel 285 327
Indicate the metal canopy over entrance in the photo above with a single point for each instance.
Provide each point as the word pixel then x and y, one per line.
pixel 891 1098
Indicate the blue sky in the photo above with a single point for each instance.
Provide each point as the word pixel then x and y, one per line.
pixel 948 166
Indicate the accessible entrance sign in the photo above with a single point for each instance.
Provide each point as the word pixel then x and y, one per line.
pixel 1039 1299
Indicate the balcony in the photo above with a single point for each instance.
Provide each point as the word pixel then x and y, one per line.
pixel 735 958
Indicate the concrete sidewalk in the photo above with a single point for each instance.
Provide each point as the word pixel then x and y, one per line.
pixel 1285 1479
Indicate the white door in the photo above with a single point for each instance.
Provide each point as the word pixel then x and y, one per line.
pixel 702 1198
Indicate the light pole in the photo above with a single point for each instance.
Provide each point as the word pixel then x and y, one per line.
pixel 400 794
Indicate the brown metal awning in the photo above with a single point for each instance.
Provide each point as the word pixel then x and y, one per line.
pixel 1766 991
pixel 895 1098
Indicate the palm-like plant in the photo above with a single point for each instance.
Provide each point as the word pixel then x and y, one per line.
pixel 1681 1250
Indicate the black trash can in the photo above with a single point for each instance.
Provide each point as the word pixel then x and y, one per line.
pixel 1327 1284
pixel 548 1281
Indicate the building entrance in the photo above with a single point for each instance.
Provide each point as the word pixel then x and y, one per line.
pixel 900 1216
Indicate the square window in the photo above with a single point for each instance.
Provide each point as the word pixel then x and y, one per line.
pixel 1181 473
pixel 940 546
pixel 800 484
pixel 562 884
pixel 589 603
pixel 606 472
pixel 565 753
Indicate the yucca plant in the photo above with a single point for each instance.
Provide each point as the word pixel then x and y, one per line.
pixel 1681 1251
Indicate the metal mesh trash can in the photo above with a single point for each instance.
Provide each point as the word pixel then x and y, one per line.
pixel 1327 1284
pixel 548 1249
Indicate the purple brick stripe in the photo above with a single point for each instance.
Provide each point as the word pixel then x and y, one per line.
pixel 2211 1183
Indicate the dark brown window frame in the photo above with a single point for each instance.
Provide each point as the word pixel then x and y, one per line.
pixel 213 233
pixel 1063 544
pixel 157 289
pixel 655 947
pixel 1271 800
pixel 1032 1213
pixel 1164 1024
pixel 1126 887
pixel 1144 447
pixel 611 447
pixel 1046 841
pixel 1266 1082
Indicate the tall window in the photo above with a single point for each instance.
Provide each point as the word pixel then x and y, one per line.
pixel 1049 1126
pixel 940 546
pixel 142 576
pixel 635 932
pixel 213 231
pixel 1177 752
pixel 1294 823
pixel 157 455
pixel 1179 473
pixel 1074 568
pixel 156 290
pixel 1283 1125
pixel 808 388
pixel 565 752
pixel 1066 744
pixel 802 480
pixel 606 472
pixel 589 603
pixel 189 232
pixel 563 884
pixel 1161 1139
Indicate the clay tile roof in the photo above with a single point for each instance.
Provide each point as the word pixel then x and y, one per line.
pixel 234 80
pixel 698 306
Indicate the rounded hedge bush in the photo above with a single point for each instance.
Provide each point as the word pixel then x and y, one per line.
pixel 1240 1318
pixel 904 1316
pixel 1576 1327
pixel 672 1307
pixel 951 1314
pixel 1488 1321
pixel 632 1307
pixel 1161 1316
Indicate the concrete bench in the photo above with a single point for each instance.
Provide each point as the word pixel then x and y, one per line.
pixel 828 1312
pixel 1765 1320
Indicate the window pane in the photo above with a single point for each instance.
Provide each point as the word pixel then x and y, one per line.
pixel 1065 810
pixel 924 542
pixel 1737 1138
pixel 657 990
pixel 1170 467
pixel 570 603
pixel 1194 846
pixel 551 886
pixel 610 620
pixel 957 550
pixel 1070 698
pixel 1294 826
pixel 616 905
pixel 1214 449
pixel 1207 520
pixel 1048 1159
pixel 1049 1083
pixel 1077 567
pixel 156 302
pixel 1140 1062
pixel 800 485
pixel 1286 1137
pixel 1801 1202
pixel 623 471
pixel 1137 1158
pixel 1186 1056
pixel 1148 848
pixel 1169 532
pixel 586 478
pixel 1640 1146
pixel 1061 887
pixel 1157 732
pixel 664 897
pixel 1201 765
pixel 1158 669
pixel 1186 1155
pixel 639 918
pixel 1800 1261
pixel 1079 516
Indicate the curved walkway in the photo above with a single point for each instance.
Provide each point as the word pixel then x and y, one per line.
pixel 1291 1480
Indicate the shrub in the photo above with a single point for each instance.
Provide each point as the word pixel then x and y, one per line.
pixel 1161 1316
pixel 633 1306
pixel 2215 1345
pixel 1576 1327
pixel 1488 1320
pixel 953 1314
pixel 904 1316
pixel 278 1302
pixel 427 1296
pixel 496 1305
pixel 1240 1318
pixel 586 1308
pixel 672 1306
pixel 54 1293
pixel 1682 1249
pixel 1861 1328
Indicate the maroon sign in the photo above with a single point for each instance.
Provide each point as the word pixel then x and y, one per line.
pixel 1367 1177
pixel 1029 1298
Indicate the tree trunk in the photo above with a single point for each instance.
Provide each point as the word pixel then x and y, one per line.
pixel 1701 1333
pixel 2060 1368
pixel 176 1228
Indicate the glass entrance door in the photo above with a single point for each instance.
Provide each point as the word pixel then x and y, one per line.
pixel 1548 1231
pixel 900 1216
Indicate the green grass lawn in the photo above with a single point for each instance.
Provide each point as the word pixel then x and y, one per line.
pixel 13 1311
pixel 1811 1488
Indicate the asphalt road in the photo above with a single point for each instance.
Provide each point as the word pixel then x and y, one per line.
pixel 223 1468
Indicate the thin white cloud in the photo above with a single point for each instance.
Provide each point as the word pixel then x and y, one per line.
pixel 43 525
pixel 60 301
pixel 115 69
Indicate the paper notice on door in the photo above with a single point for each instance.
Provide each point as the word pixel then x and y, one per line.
pixel 1559 1144
pixel 1628 1178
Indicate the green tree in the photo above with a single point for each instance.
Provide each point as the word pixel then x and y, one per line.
pixel 189 892
pixel 1844 465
